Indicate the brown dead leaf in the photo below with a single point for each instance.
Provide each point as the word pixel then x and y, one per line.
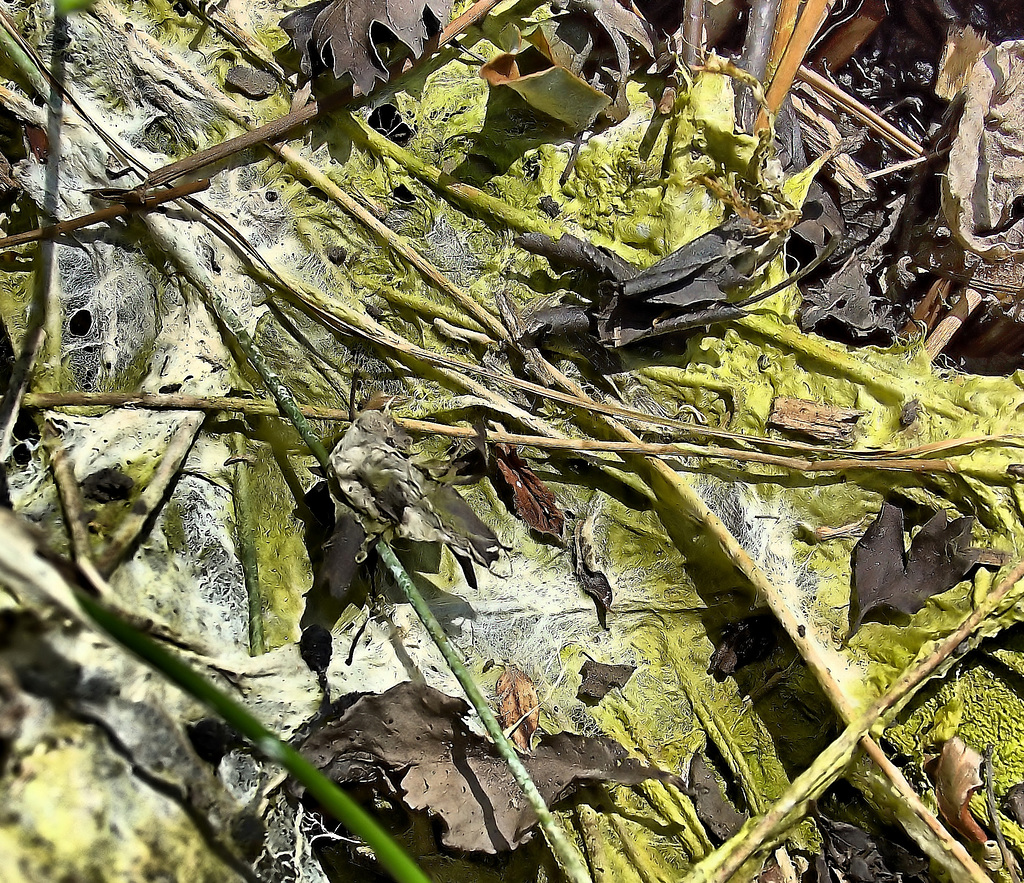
pixel 518 706
pixel 956 772
pixel 888 578
pixel 597 679
pixel 533 501
pixel 418 738
pixel 336 34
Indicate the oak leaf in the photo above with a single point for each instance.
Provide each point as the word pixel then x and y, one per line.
pixel 886 577
pixel 336 34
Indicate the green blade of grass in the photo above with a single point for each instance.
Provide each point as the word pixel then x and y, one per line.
pixel 333 800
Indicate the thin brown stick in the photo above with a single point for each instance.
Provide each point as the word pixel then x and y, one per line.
pixel 943 333
pixel 1009 862
pixel 148 203
pixel 475 14
pixel 856 109
pixel 901 460
pixel 70 493
pixel 917 806
pixel 895 167
pixel 811 19
pixel 693 32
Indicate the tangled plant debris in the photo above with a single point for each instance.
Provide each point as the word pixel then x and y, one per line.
pixel 561 257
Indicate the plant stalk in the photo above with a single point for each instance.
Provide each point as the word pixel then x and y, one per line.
pixel 566 854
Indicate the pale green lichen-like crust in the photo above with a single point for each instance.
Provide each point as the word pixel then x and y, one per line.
pixel 68 810
pixel 635 189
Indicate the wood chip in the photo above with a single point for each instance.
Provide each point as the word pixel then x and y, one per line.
pixel 826 423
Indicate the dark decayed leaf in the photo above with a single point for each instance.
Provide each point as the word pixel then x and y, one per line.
pixel 588 570
pixel 887 578
pixel 1013 803
pixel 420 740
pixel 956 772
pixel 618 22
pixel 335 34
pixel 518 706
pixel 571 251
pixel 533 501
pixel 472 465
pixel 749 640
pixel 716 813
pixel 600 677
pixel 693 281
pixel 859 857
pixel 387 490
pixel 567 329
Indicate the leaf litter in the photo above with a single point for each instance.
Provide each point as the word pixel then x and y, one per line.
pixel 518 706
pixel 418 738
pixel 533 500
pixel 395 495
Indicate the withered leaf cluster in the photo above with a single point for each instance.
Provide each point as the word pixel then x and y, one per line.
pixel 690 287
pixel 383 491
pixel 851 853
pixel 419 743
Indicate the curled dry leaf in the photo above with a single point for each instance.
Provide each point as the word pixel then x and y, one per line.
pixel 381 484
pixel 956 772
pixel 335 34
pixel 518 706
pixel 533 501
pixel 553 90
